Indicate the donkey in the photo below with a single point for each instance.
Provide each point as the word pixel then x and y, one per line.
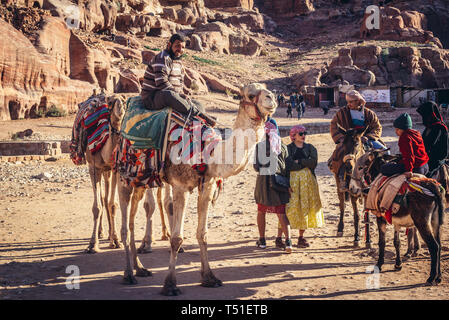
pixel 350 150
pixel 422 211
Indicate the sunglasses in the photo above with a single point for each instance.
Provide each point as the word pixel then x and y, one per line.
pixel 302 133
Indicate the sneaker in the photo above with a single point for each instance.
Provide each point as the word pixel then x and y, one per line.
pixel 261 243
pixel 288 246
pixel 279 243
pixel 302 243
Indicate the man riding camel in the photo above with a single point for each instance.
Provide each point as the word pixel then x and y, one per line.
pixel 164 79
pixel 355 115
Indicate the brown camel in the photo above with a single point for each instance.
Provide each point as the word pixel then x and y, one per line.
pixel 256 105
pixel 100 165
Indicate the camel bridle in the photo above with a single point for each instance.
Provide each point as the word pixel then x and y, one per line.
pixel 246 103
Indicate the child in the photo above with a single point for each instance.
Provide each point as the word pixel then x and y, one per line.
pixel 411 145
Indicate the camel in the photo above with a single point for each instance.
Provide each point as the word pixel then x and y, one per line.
pixel 100 166
pixel 421 211
pixel 256 105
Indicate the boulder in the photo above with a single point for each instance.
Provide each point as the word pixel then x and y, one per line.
pixel 252 21
pixel 309 78
pixel 219 85
pixel 288 7
pixel 343 59
pixel 31 80
pixel 129 81
pixel 195 82
pixel 148 55
pixel 244 44
pixel 196 43
pixel 352 74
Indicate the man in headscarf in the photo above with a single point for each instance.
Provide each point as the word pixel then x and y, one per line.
pixel 435 135
pixel 357 116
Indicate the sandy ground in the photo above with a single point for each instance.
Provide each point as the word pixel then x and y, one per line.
pixel 46 224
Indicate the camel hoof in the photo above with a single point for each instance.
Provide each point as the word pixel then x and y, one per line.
pixel 92 250
pixel 340 234
pixel 356 244
pixel 144 250
pixel 211 282
pixel 170 291
pixel 129 279
pixel 142 272
pixel 398 267
pixel 115 245
pixel 165 237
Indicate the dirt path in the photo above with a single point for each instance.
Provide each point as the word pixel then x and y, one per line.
pixel 46 224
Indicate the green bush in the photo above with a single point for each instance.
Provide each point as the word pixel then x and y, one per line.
pixel 207 61
pixel 55 112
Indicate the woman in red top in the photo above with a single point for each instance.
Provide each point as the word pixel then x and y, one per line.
pixel 411 146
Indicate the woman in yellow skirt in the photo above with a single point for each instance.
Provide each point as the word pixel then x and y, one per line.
pixel 304 210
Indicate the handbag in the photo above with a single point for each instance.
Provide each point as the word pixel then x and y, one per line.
pixel 279 183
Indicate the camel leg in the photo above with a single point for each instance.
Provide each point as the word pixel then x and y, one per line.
pixel 165 234
pixel 356 222
pixel 397 246
pixel 135 200
pixel 95 177
pixel 382 226
pixel 110 184
pixel 149 206
pixel 204 199
pixel 411 236
pixel 180 198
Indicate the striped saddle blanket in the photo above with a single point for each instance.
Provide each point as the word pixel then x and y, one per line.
pixel 90 129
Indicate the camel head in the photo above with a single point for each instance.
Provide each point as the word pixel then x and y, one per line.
pixel 257 101
pixel 117 107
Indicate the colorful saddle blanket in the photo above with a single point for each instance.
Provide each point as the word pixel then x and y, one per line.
pixel 144 128
pixel 141 154
pixel 90 129
pixel 388 194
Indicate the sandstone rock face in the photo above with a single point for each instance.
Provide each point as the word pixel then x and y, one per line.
pixel 410 66
pixel 54 40
pixel 89 64
pixel 288 7
pixel 245 4
pixel 92 15
pixel 252 21
pixel 31 80
pixel 216 36
pixel 397 25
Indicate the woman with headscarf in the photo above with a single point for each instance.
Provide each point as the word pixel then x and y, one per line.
pixel 304 209
pixel 435 134
pixel 270 197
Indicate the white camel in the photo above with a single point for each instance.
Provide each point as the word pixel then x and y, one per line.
pixel 256 105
